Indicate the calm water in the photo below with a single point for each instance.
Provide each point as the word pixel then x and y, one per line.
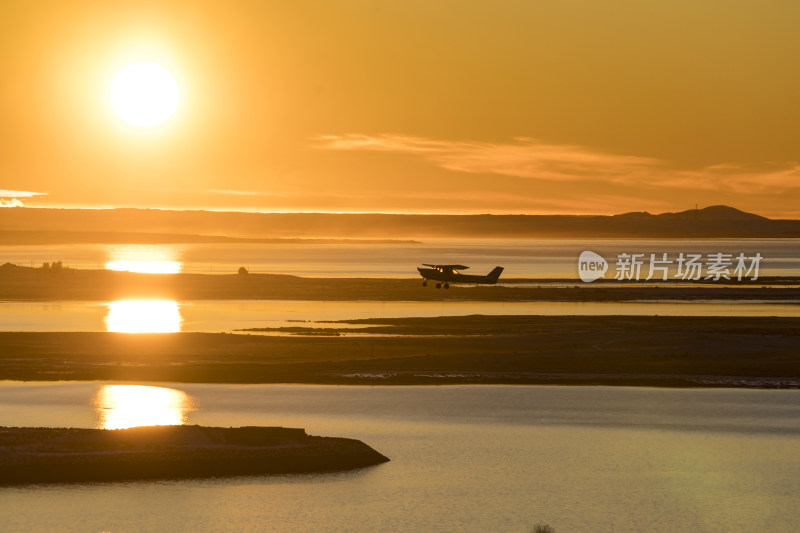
pixel 520 257
pixel 464 458
pixel 483 458
pixel 227 315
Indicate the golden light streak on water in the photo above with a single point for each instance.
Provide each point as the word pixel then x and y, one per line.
pixel 125 406
pixel 143 316
pixel 147 259
pixel 146 267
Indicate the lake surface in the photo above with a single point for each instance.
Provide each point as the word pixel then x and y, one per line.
pixel 165 316
pixel 463 458
pixel 537 258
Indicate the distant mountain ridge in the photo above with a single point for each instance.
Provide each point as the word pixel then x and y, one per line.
pixel 714 212
pixel 714 221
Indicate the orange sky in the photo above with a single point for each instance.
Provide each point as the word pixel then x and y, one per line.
pixel 520 106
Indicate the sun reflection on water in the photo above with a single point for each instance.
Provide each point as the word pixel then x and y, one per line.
pixel 125 406
pixel 147 259
pixel 143 316
pixel 146 267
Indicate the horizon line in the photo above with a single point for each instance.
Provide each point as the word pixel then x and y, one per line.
pixel 370 212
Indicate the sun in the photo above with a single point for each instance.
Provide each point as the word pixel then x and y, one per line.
pixel 144 94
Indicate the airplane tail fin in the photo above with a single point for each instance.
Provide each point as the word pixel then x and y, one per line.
pixel 494 275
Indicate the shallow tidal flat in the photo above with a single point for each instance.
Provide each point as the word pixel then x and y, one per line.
pixel 611 350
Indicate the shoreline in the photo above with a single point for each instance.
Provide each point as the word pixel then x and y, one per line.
pixel 544 380
pixel 660 351
pixel 749 352
pixel 36 284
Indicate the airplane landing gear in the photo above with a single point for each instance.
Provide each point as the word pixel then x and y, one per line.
pixel 438 285
pixel 425 283
pixel 446 285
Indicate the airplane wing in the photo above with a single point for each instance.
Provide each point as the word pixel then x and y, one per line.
pixel 447 267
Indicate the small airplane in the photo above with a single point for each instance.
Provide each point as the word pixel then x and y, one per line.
pixel 450 274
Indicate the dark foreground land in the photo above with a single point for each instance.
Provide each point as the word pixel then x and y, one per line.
pixel 48 455
pixel 613 350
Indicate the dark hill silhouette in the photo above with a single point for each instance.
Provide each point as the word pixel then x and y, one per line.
pixel 714 221
pixel 714 212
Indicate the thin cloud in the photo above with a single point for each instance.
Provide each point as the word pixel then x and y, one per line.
pixel 4 193
pixel 233 192
pixel 10 198
pixel 772 178
pixel 525 158
pixel 534 159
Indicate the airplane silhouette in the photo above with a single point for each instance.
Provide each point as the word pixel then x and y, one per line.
pixel 450 274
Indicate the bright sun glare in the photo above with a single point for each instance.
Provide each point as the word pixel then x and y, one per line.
pixel 143 258
pixel 144 94
pixel 124 406
pixel 143 316
pixel 145 267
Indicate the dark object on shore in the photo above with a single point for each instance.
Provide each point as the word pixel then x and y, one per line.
pixel 242 271
pixel 59 455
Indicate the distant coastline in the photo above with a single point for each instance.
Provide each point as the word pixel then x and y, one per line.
pixel 43 237
pixel 709 222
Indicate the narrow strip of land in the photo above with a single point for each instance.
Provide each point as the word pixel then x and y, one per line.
pixel 24 283
pixel 62 455
pixel 635 350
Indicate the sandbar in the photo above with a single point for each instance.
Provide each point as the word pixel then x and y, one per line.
pixel 59 455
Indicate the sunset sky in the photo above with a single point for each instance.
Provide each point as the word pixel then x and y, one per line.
pixel 511 106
